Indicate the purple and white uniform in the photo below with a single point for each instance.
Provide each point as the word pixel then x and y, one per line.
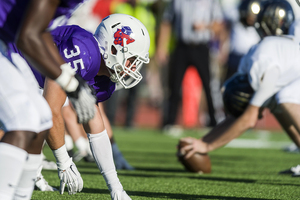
pixel 81 51
pixel 21 105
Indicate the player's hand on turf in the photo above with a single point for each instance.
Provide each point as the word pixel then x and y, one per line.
pixel 83 100
pixel 70 176
pixel 194 146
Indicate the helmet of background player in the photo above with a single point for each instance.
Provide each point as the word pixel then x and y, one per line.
pixel 123 37
pixel 236 93
pixel 248 10
pixel 275 18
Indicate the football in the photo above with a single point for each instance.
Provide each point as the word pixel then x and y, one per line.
pixel 198 163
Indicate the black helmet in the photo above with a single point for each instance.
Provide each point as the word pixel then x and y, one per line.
pixel 275 18
pixel 248 10
pixel 237 93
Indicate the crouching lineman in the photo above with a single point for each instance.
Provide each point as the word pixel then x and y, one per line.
pixel 268 77
pixel 23 112
pixel 114 54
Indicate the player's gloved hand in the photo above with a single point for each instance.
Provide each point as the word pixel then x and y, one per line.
pixel 68 174
pixel 79 92
pixel 83 101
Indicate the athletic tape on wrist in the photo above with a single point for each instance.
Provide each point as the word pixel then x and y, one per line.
pixel 66 79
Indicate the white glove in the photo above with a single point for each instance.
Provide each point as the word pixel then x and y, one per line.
pixel 68 174
pixel 80 94
pixel 83 100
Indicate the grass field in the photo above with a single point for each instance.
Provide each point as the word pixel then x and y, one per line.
pixel 246 169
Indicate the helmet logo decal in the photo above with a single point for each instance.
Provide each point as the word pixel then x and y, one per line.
pixel 120 34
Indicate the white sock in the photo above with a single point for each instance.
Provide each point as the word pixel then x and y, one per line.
pixel 26 183
pixel 69 142
pixel 12 160
pixel 101 149
pixel 81 144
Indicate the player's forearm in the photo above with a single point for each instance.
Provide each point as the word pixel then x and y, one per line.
pixel 235 129
pixel 31 40
pixel 55 97
pixel 56 136
pixel 219 130
pixel 164 37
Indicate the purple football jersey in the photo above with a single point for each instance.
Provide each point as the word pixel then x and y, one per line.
pixel 80 49
pixel 12 13
pixel 103 87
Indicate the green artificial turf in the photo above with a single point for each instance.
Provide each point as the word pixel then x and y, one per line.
pixel 237 173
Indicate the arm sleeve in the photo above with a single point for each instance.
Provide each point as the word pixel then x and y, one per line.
pixel 267 87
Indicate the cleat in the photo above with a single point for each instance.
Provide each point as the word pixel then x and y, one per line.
pixel 89 158
pixel 120 161
pixel 79 155
pixel 293 170
pixel 291 148
pixel 49 165
pixel 41 183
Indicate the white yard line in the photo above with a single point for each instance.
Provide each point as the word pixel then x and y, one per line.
pixel 256 144
pixel 261 141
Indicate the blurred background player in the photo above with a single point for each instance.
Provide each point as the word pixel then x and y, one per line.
pixel 242 34
pixel 23 112
pixel 194 23
pixel 268 77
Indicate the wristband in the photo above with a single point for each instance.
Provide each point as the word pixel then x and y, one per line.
pixel 61 155
pixel 66 79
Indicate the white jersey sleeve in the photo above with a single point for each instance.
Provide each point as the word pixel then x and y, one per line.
pixel 267 87
pixel 273 52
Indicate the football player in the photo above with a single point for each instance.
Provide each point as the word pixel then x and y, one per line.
pixel 114 54
pixel 242 34
pixel 24 112
pixel 268 77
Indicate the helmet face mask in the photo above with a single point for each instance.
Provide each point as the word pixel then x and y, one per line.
pixel 124 44
pixel 128 74
pixel 275 18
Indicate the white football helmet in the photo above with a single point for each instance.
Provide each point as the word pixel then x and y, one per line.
pixel 123 37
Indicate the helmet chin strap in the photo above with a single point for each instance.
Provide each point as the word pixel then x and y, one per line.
pixel 113 77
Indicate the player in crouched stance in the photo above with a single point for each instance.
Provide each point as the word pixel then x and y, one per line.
pixel 268 76
pixel 114 54
pixel 25 115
